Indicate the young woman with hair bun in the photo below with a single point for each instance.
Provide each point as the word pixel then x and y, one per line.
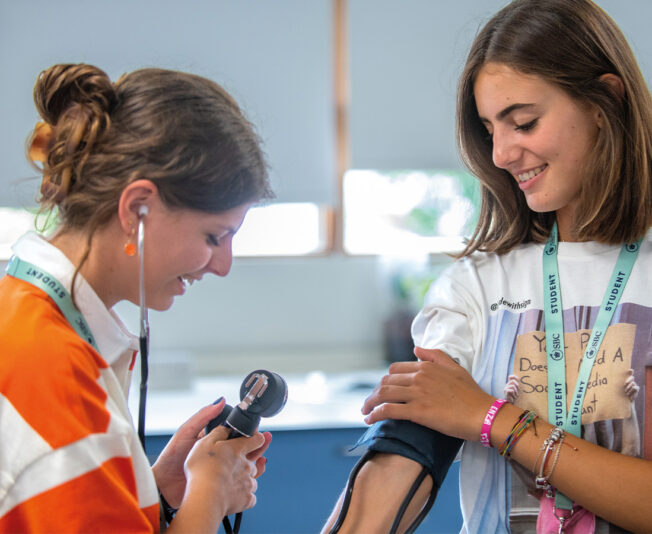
pixel 149 178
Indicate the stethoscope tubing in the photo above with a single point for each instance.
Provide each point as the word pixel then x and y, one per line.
pixel 144 328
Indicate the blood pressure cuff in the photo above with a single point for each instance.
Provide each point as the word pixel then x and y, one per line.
pixel 433 450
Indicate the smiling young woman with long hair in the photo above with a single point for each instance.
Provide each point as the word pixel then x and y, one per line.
pixel 535 345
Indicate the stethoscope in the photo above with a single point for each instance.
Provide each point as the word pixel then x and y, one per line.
pixel 144 326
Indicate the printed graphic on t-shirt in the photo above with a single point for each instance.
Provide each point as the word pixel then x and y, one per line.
pixel 617 408
pixel 607 388
pixel 619 390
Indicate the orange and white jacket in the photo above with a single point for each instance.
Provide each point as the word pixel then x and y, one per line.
pixel 70 459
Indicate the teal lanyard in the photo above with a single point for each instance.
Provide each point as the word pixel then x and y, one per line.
pixel 48 283
pixel 558 415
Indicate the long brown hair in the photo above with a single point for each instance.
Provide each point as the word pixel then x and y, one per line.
pixel 569 43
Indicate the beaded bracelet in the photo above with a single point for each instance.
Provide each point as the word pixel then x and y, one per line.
pixel 485 432
pixel 526 419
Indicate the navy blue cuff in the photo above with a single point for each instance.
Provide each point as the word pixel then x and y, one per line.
pixel 433 450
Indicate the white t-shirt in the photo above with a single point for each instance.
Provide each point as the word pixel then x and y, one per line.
pixel 486 311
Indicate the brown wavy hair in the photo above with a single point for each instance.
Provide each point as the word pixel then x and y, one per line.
pixel 183 132
pixel 571 44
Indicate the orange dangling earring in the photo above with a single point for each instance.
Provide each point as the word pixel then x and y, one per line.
pixel 130 246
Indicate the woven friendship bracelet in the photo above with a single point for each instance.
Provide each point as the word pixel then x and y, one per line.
pixel 526 419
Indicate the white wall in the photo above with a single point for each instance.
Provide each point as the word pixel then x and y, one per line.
pixel 276 58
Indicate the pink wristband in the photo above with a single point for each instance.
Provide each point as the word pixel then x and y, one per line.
pixel 485 432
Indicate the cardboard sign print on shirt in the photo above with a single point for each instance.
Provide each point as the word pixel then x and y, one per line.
pixel 606 396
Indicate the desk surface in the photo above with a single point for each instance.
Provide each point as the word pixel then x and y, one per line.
pixel 315 400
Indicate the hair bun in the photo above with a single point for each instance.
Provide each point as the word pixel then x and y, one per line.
pixel 61 86
pixel 76 99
